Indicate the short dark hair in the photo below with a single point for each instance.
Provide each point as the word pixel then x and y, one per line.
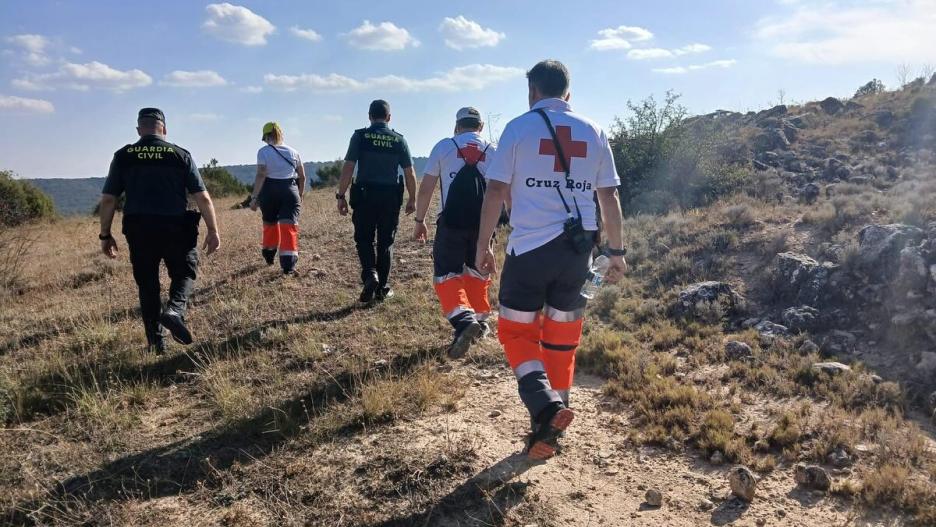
pixel 148 123
pixel 379 109
pixel 468 123
pixel 550 78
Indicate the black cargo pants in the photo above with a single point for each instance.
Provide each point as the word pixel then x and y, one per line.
pixel 376 215
pixel 173 241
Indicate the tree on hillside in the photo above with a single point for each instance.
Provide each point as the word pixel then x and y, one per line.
pixel 642 139
pixel 21 201
pixel 873 87
pixel 667 161
pixel 329 174
pixel 220 182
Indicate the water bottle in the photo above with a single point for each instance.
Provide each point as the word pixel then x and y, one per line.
pixel 599 269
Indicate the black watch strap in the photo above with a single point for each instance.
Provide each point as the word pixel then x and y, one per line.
pixel 616 252
pixel 103 237
pixel 339 196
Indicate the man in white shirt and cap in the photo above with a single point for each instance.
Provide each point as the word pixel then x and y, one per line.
pixel 551 163
pixel 459 163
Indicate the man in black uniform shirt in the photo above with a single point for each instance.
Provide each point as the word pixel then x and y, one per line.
pixel 156 177
pixel 378 152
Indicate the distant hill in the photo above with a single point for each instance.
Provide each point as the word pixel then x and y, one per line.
pixel 79 195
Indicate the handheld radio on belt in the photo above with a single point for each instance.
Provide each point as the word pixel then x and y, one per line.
pixel 573 228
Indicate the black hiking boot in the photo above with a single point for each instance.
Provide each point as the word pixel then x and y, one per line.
pixel 384 293
pixel 269 256
pixel 463 340
pixel 175 323
pixel 370 287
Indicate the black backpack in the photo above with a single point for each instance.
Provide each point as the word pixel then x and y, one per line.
pixel 462 210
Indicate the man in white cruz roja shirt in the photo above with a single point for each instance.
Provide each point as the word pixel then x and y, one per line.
pixel 459 164
pixel 551 163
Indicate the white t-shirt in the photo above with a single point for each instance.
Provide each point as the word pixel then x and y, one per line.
pixel 276 166
pixel 526 159
pixel 445 160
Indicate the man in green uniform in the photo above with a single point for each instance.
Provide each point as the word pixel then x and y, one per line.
pixel 156 176
pixel 378 152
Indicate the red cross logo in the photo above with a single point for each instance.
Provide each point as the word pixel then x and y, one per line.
pixel 472 154
pixel 569 147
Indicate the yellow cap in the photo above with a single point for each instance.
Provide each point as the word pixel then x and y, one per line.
pixel 269 127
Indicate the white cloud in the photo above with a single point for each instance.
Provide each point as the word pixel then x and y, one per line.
pixel 15 104
pixel 193 79
pixel 33 48
pixel 463 78
pixel 621 37
pixel 234 23
pixel 679 70
pixel 833 32
pixel 308 34
pixel 84 77
pixel 692 48
pixel 252 89
pixel 385 36
pixel 461 33
pixel 203 117
pixel 649 53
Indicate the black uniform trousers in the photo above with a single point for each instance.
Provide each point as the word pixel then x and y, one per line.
pixel 170 240
pixel 376 214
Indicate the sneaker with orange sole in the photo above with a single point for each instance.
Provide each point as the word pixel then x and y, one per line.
pixel 544 443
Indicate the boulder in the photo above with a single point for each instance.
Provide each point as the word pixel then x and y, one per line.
pixel 831 105
pixel 700 297
pixel 808 347
pixel 831 368
pixel 737 350
pixel 789 130
pixel 769 331
pixel 839 458
pixel 879 248
pixel 866 137
pixel 809 194
pixel 802 318
pixel 812 477
pixel 913 273
pixel 804 280
pixel 776 111
pixel 883 118
pixel 743 483
pixel 836 169
pixel 927 364
pixel 839 342
pixel 760 165
pixel 771 139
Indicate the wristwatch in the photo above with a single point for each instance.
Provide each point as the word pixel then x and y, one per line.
pixel 340 196
pixel 417 220
pixel 103 237
pixel 616 252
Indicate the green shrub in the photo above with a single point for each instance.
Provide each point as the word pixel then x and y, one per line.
pixel 22 202
pixel 220 183
pixel 329 174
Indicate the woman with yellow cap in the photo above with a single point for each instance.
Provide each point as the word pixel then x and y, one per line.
pixel 278 193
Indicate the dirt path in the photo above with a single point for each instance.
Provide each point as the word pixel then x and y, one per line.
pixel 599 479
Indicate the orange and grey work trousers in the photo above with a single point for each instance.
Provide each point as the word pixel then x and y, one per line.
pixel 462 290
pixel 540 323
pixel 279 206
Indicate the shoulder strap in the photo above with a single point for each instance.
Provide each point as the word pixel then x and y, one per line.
pixel 290 161
pixel 562 159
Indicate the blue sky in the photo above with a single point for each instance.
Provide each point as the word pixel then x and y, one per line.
pixel 73 73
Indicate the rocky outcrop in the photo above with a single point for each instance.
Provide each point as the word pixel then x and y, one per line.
pixel 700 298
pixel 804 280
pixel 812 477
pixel 771 139
pixel 831 106
pixel 802 318
pixel 879 248
pixel 743 483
